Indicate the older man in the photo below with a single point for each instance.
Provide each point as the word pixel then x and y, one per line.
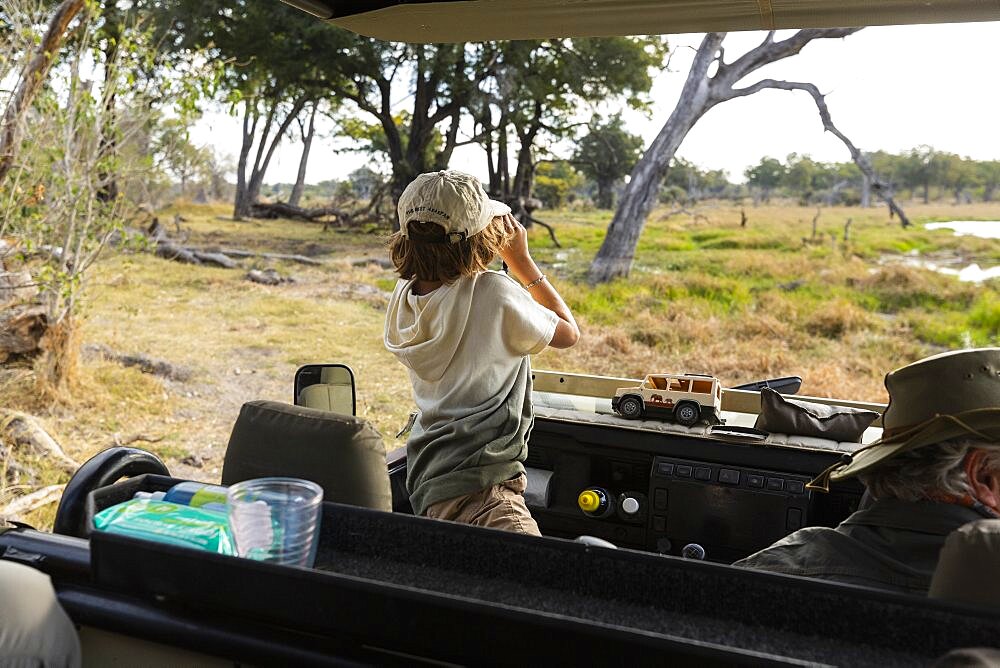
pixel 936 468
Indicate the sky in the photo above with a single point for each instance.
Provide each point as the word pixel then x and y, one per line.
pixel 889 88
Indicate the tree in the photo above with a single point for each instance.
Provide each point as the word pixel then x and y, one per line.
pixel 958 174
pixel 440 82
pixel 531 87
pixel 31 76
pixel 52 205
pixel 701 93
pixel 174 151
pixel 364 182
pixel 555 182
pixel 307 140
pixel 269 87
pixel 989 176
pixel 767 175
pixel 606 154
pixel 923 166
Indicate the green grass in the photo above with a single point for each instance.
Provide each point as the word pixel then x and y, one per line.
pixel 704 295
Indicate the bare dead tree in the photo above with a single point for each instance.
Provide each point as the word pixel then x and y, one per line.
pixel 31 80
pixel 701 93
pixel 880 187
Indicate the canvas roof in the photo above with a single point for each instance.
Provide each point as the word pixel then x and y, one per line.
pixel 480 20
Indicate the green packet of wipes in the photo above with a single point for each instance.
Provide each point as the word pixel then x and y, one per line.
pixel 170 523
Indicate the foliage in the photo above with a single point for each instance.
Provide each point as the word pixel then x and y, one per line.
pixel 555 183
pixel 535 87
pixel 766 176
pixel 54 202
pixel 173 149
pixel 269 86
pixel 606 154
pixel 686 182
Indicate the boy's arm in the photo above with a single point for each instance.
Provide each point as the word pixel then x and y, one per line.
pixel 524 269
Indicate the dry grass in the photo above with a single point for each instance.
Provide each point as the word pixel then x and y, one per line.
pixel 706 296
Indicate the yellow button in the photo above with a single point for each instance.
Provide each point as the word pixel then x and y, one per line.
pixel 588 500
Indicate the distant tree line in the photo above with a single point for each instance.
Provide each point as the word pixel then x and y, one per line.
pixel 922 172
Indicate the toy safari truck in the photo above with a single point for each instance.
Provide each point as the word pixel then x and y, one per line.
pixel 685 398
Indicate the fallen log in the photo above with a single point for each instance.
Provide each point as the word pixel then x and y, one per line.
pixel 168 251
pixel 268 277
pixel 236 252
pixel 25 504
pixel 272 210
pixel 215 258
pixel 145 364
pixel 21 328
pixel 23 432
pixel 16 286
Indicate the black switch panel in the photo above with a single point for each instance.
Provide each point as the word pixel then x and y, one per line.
pixel 729 476
pixel 729 510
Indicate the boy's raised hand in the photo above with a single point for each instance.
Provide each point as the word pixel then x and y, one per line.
pixel 516 250
pixel 524 269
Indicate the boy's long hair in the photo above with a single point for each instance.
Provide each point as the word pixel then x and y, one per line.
pixel 424 257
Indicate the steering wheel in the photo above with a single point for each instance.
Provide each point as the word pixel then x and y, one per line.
pixel 105 468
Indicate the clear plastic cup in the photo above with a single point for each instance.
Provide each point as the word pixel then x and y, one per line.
pixel 276 519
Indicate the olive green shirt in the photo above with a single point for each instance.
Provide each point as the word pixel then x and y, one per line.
pixel 891 545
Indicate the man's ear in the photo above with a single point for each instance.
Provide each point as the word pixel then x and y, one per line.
pixel 984 481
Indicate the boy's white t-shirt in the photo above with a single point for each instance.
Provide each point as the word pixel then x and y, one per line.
pixel 466 346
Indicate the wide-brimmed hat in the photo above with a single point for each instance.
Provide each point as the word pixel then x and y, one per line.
pixel 946 396
pixel 454 200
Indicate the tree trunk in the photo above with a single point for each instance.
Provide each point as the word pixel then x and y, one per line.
pixel 261 164
pixel 866 191
pixel 307 139
pixel 615 256
pixel 700 94
pixel 605 193
pixel 241 207
pixel 31 81
pixel 108 191
pixel 503 164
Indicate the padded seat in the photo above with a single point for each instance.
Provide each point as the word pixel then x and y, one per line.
pixel 343 454
pixel 334 392
pixel 968 570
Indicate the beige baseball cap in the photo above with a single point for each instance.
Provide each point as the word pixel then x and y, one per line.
pixel 454 200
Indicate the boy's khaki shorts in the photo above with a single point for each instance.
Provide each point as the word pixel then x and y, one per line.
pixel 500 507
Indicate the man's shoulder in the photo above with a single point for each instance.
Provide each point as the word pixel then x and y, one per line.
pixel 807 551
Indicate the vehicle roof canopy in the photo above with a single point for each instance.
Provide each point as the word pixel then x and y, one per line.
pixel 481 20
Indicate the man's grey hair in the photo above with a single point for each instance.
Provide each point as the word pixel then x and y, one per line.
pixel 928 472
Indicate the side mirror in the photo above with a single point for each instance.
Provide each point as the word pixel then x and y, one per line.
pixel 328 387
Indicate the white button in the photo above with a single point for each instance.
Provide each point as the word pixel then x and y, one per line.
pixel 630 505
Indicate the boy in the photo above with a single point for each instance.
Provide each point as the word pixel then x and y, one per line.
pixel 465 333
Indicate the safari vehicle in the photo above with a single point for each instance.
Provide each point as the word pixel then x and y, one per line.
pixel 684 398
pixel 389 588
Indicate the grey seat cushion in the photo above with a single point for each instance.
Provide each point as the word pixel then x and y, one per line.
pixel 782 415
pixel 343 454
